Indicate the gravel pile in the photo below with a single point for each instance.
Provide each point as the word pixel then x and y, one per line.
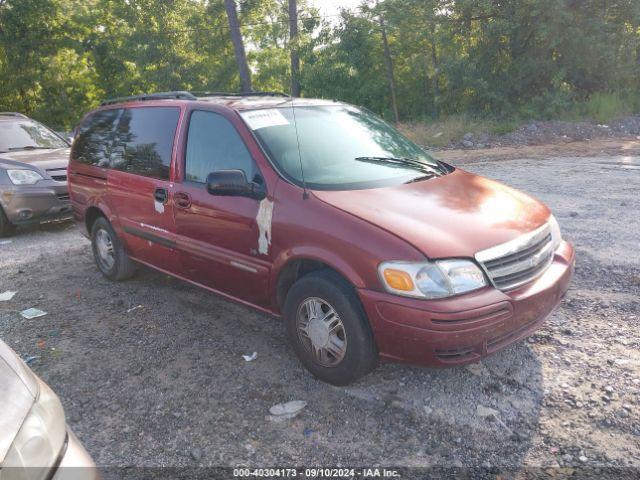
pixel 546 132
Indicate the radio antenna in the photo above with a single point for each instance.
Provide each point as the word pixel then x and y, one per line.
pixel 305 194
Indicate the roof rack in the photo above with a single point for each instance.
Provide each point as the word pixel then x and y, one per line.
pixel 240 94
pixel 12 114
pixel 179 95
pixel 184 95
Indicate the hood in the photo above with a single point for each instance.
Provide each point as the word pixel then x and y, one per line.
pixel 455 215
pixel 50 159
pixel 18 391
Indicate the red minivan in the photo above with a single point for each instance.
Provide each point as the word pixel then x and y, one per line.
pixel 322 213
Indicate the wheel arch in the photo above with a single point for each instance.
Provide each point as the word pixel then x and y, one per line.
pixel 90 216
pixel 291 266
pixel 98 208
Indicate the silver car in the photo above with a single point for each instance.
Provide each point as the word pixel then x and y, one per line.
pixel 35 441
pixel 33 173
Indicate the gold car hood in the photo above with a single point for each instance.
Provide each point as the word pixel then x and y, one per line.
pixel 18 392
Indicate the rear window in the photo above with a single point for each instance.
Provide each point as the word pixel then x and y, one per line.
pixel 143 141
pixel 92 142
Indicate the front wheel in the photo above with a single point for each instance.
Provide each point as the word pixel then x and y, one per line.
pixel 328 328
pixel 110 256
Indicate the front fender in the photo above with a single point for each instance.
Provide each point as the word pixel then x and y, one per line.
pixel 311 252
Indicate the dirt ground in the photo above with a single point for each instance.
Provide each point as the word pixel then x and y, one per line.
pixel 151 372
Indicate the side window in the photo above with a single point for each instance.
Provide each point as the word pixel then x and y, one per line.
pixel 143 141
pixel 214 144
pixel 92 144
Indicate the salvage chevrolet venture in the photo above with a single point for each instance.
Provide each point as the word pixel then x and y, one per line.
pixel 323 213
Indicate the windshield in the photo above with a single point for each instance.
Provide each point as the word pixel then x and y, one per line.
pixel 21 134
pixel 341 147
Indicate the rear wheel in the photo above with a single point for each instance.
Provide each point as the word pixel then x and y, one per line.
pixel 328 328
pixel 110 256
pixel 6 227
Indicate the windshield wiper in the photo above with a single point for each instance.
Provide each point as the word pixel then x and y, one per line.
pixel 405 162
pixel 31 147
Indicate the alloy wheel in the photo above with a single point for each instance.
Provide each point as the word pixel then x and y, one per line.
pixel 104 249
pixel 321 331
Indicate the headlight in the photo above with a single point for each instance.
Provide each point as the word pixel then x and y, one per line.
pixel 40 439
pixel 556 234
pixel 439 279
pixel 24 177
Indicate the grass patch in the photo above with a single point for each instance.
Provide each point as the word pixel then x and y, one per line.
pixel 600 108
pixel 603 107
pixel 445 131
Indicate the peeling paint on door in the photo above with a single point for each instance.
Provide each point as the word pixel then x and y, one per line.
pixel 263 219
pixel 158 206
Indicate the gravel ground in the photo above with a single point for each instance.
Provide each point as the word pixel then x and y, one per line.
pixel 151 372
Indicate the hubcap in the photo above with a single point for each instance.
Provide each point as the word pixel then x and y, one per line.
pixel 321 331
pixel 104 248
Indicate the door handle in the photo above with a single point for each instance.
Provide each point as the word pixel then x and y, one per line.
pixel 182 199
pixel 161 195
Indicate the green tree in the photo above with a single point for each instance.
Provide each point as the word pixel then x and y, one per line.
pixel 533 58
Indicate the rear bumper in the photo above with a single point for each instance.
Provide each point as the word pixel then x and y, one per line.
pixel 76 464
pixel 27 204
pixel 464 329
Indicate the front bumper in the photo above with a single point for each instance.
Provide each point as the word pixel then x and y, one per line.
pixel 75 464
pixel 463 329
pixel 27 204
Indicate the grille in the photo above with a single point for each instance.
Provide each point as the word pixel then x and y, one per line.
pixel 457 354
pixel 58 174
pixel 508 335
pixel 515 263
pixel 494 315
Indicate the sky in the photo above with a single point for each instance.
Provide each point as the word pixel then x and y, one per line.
pixel 332 7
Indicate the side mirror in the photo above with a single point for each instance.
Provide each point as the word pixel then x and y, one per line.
pixel 234 183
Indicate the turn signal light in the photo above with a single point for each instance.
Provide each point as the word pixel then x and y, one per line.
pixel 398 280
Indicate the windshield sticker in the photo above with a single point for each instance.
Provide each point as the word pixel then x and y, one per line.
pixel 257 119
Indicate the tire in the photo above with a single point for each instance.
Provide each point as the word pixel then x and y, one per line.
pixel 353 339
pixel 6 227
pixel 117 266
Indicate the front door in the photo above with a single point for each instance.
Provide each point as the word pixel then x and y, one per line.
pixel 139 184
pixel 218 237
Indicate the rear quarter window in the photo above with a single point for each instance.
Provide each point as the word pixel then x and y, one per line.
pixel 143 141
pixel 92 143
